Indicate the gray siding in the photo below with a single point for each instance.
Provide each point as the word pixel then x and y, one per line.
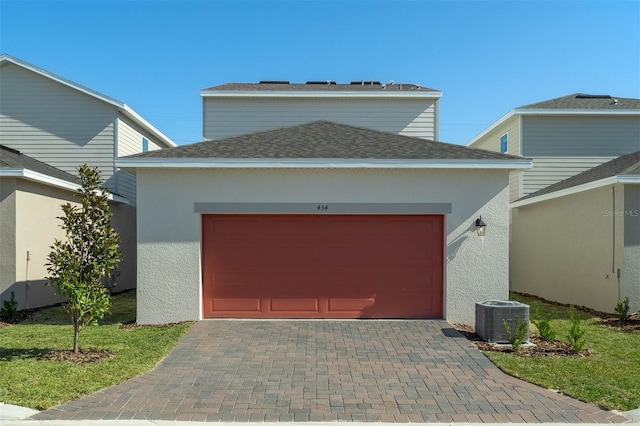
pixel 231 117
pixel 580 136
pixel 563 146
pixel 549 170
pixel 54 123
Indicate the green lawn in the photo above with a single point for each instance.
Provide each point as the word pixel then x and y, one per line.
pixel 29 382
pixel 610 378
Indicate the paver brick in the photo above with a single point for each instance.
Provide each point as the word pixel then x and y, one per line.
pixel 324 371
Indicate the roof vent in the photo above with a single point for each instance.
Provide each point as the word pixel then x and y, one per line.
pixel 328 82
pixel 585 96
pixel 366 83
pixel 615 102
pixel 274 82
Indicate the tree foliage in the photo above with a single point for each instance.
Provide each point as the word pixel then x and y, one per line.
pixel 78 263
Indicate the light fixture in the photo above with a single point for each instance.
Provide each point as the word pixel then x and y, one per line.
pixel 480 226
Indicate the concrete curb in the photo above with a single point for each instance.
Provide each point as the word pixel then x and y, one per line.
pixel 182 423
pixel 13 412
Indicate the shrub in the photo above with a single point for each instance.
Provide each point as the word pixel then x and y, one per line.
pixel 576 332
pixel 543 324
pixel 622 309
pixel 9 307
pixel 517 334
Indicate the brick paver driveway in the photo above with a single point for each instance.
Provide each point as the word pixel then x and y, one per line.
pixel 389 371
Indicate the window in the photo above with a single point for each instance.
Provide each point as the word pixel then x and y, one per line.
pixel 504 143
pixel 145 145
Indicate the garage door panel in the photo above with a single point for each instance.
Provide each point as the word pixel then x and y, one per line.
pixel 323 266
pixel 294 305
pixel 236 305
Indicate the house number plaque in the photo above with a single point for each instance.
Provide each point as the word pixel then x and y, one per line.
pixel 323 207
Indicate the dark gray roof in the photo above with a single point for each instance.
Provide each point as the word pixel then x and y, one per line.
pixel 324 87
pixel 325 139
pixel 13 159
pixel 628 164
pixel 585 101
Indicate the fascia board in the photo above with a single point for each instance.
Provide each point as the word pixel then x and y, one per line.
pixel 323 95
pixel 491 127
pixel 331 163
pixel 612 180
pixel 52 181
pixel 549 111
pixel 138 119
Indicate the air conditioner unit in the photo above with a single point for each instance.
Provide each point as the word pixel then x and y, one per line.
pixel 490 315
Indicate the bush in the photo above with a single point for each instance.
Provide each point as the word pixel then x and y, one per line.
pixel 9 307
pixel 543 324
pixel 622 309
pixel 517 334
pixel 576 332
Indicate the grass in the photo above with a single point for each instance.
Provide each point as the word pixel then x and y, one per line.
pixel 29 382
pixel 609 379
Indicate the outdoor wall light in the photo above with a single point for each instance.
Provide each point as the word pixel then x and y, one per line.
pixel 480 226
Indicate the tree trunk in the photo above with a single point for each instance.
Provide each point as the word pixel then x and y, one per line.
pixel 76 335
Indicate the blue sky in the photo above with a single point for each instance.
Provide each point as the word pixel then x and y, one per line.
pixel 487 57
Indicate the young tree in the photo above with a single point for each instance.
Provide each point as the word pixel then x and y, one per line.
pixel 90 250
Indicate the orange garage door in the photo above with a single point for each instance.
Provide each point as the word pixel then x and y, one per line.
pixel 317 266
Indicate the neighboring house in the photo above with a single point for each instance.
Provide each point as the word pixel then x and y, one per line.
pixel 578 241
pixel 320 220
pixel 564 136
pixel 31 193
pixel 63 124
pixel 238 108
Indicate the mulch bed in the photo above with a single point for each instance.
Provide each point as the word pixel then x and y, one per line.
pixel 547 348
pixel 83 356
pixel 133 324
pixel 630 324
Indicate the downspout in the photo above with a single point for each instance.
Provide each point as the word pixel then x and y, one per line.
pixel 26 280
pixel 613 241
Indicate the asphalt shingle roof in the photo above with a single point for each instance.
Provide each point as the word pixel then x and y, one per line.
pixel 584 101
pixel 13 159
pixel 305 87
pixel 628 164
pixel 325 139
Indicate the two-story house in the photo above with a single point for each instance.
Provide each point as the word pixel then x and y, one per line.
pixel 51 123
pixel 320 200
pixel 575 221
pixel 564 136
